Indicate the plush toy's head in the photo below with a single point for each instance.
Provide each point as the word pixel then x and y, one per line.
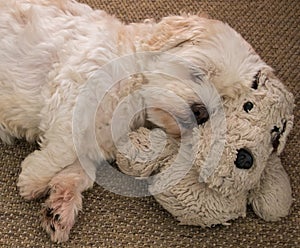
pixel 233 157
pixel 234 160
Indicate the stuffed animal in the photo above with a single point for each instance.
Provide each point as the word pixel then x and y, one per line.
pixel 210 176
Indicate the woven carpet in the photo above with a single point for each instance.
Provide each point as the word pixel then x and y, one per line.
pixel 110 220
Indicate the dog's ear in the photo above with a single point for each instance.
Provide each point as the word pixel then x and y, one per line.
pixel 272 198
pixel 172 31
pixel 210 45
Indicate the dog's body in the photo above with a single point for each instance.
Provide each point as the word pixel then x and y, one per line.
pixel 39 41
pixel 50 49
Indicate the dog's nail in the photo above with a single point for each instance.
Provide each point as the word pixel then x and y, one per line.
pixel 52 227
pixel 57 217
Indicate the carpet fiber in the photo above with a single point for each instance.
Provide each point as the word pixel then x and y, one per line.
pixel 109 220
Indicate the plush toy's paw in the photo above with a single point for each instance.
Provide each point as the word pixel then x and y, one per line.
pixel 273 198
pixel 60 211
pixel 144 152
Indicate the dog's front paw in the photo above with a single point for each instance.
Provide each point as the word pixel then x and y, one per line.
pixel 31 189
pixel 60 211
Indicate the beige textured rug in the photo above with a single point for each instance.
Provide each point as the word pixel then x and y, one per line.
pixel 109 220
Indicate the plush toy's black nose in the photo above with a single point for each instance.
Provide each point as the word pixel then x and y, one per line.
pixel 244 159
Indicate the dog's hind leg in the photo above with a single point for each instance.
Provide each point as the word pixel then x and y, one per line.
pixel 65 200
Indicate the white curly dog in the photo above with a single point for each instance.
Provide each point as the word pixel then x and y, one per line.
pixel 49 50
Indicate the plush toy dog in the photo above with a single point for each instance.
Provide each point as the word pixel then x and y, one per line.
pixel 209 176
pixel 59 59
pixel 248 171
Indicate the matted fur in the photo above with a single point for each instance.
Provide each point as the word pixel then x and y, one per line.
pixel 50 49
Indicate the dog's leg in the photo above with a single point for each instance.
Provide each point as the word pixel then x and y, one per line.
pixel 65 200
pixel 56 152
pixel 37 171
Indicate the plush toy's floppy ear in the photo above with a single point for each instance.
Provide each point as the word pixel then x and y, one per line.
pixel 272 199
pixel 281 138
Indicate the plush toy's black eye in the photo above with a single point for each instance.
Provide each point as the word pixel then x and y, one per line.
pixel 200 113
pixel 248 106
pixel 255 81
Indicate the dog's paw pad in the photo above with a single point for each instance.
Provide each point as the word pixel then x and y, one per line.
pixel 59 212
pixel 52 227
pixel 48 212
pixel 55 226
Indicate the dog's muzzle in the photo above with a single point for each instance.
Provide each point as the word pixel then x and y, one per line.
pixel 244 159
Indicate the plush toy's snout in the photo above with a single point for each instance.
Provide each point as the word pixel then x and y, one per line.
pixel 225 194
pixel 244 159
